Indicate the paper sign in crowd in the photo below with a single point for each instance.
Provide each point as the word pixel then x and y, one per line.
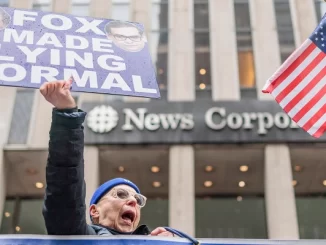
pixel 102 55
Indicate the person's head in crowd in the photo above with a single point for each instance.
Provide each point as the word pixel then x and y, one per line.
pixel 4 19
pixel 126 35
pixel 116 204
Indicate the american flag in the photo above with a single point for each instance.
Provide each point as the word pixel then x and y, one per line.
pixel 299 85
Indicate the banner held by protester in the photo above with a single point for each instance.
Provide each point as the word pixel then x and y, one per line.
pixel 139 240
pixel 103 56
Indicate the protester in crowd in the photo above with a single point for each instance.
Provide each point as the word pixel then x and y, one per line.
pixel 126 35
pixel 115 207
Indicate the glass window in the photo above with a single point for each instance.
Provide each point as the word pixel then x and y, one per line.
pixel 246 69
pixel 160 61
pixel 246 61
pixel 309 181
pixel 160 15
pixel 4 3
pixel 202 41
pixel 23 216
pixel 158 208
pixel 320 6
pixel 242 16
pixel 21 116
pixel 120 10
pixel 7 226
pixel 80 8
pixel 203 70
pixel 41 1
pixel 159 42
pixel 310 211
pixel 202 47
pixel 201 14
pixel 284 28
pixel 231 217
pixel 230 199
pixel 30 220
pixel 42 5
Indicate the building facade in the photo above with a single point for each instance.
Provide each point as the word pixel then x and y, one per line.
pixel 215 156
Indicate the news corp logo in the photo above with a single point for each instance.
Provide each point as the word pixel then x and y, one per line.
pixel 103 119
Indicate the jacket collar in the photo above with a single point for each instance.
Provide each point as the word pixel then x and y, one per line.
pixel 103 230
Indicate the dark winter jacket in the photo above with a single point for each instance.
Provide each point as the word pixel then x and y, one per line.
pixel 64 207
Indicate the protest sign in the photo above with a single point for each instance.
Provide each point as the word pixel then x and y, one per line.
pixel 103 56
pixel 138 240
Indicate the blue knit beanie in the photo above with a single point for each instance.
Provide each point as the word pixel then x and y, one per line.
pixel 104 188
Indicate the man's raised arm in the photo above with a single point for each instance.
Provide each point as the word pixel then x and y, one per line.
pixel 64 204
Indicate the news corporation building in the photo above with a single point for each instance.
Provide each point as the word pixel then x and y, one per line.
pixel 215 156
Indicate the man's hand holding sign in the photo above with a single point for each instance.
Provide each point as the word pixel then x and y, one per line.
pixel 103 56
pixel 58 94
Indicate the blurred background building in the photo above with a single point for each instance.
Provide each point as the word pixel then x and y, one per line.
pixel 205 52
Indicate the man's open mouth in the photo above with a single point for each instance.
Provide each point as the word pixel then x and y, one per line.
pixel 128 216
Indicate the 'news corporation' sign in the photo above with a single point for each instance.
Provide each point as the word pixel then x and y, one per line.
pixel 189 122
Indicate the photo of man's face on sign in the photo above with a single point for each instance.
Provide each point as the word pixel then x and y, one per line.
pixel 4 19
pixel 126 35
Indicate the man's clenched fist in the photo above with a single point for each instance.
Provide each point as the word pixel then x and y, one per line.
pixel 58 94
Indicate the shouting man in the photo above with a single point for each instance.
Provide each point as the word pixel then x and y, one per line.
pixel 115 207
